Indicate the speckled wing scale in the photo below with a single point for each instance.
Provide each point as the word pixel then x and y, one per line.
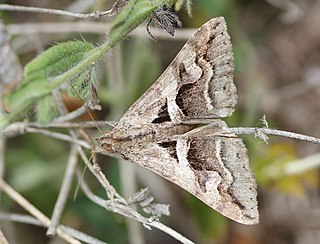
pixel 161 130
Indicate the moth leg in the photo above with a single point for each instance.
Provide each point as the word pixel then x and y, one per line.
pixel 217 128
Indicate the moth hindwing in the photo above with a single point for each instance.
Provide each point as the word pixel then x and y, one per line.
pixel 161 131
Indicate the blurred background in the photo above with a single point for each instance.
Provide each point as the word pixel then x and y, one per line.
pixel 277 57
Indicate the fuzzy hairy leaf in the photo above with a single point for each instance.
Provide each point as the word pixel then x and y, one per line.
pixel 56 60
pixel 82 85
pixel 46 109
pixel 41 70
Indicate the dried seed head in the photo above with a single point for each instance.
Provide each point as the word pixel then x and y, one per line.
pixel 164 18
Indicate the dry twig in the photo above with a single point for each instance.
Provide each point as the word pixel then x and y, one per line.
pixel 33 210
pixel 130 213
pixel 64 191
pixel 27 219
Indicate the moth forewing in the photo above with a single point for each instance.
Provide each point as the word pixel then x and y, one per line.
pixel 222 177
pixel 200 74
pixel 209 161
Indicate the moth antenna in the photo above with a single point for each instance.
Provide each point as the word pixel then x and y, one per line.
pixel 95 122
pixel 88 139
pixel 78 185
pixel 91 159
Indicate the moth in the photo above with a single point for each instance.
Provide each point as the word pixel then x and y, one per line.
pixel 175 128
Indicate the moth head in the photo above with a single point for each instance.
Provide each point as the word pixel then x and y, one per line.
pixel 105 141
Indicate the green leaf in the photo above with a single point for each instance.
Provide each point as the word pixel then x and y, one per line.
pixel 47 109
pixel 81 86
pixel 56 60
pixel 39 73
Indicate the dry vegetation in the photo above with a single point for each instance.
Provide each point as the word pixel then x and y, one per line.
pixel 277 55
